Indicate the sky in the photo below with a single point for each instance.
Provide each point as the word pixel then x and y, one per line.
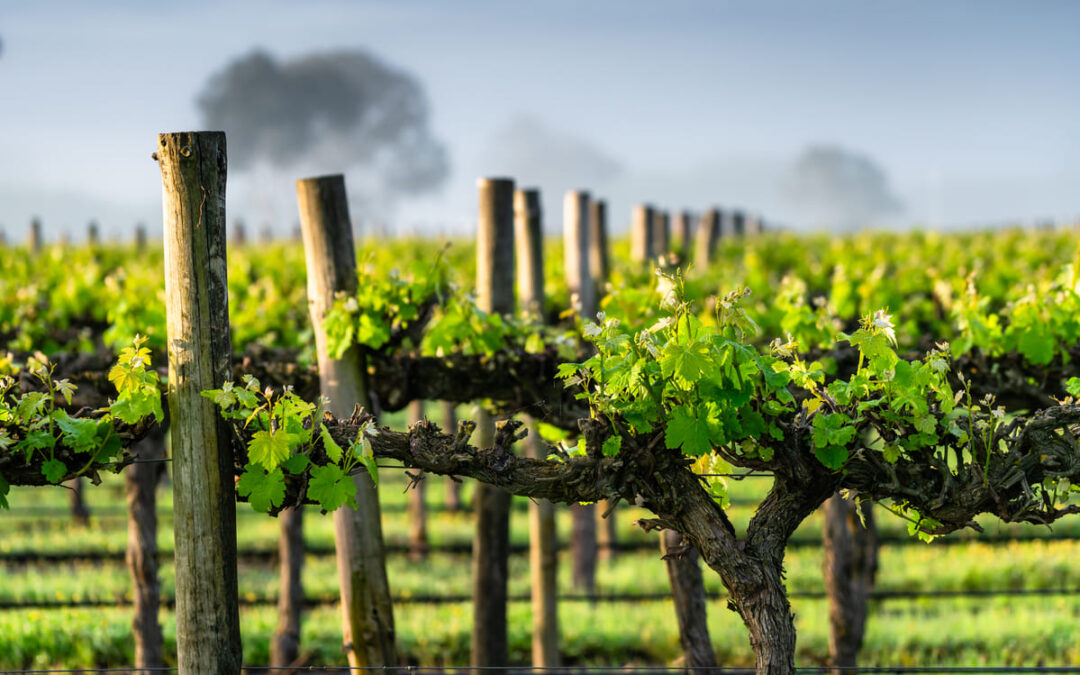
pixel 971 109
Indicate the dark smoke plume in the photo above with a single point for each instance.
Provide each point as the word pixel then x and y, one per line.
pixel 327 112
pixel 839 188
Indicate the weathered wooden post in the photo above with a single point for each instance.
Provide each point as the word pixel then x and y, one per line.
pixel 735 224
pixel 140 238
pixel 239 233
pixel 753 225
pixel 418 539
pixel 680 234
pixel 140 480
pixel 453 486
pixel 641 234
pixel 491 547
pixel 193 170
pixel 529 242
pixel 285 642
pixel 543 545
pixel 33 239
pixel 93 234
pixel 850 566
pixel 599 269
pixel 367 614
pixel 599 255
pixel 688 591
pixel 576 236
pixel 707 235
pixel 661 232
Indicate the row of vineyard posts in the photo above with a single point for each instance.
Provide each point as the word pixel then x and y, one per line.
pixel 193 167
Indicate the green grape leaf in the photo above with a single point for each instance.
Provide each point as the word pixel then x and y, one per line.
pixel 263 490
pixel 331 487
pixel 269 450
pixel 5 488
pixel 686 361
pixel 832 456
pixel 296 464
pixel 1036 345
pixel 54 471
pixel 687 430
pixel 330 446
pixel 1073 386
pixel 611 446
pixel 79 434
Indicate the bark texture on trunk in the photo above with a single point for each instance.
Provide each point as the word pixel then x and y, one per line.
pixel 850 569
pixel 140 480
pixel 688 591
pixel 285 644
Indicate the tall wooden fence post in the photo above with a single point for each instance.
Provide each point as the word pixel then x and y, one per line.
pixel 193 169
pixel 491 547
pixel 735 224
pixel 453 485
pixel 680 234
pixel 418 539
pixel 93 234
pixel 285 643
pixel 661 233
pixel 367 614
pixel 641 234
pixel 599 269
pixel 850 565
pixel 33 237
pixel 688 591
pixel 141 479
pixel 543 544
pixel 576 236
pixel 599 255
pixel 140 238
pixel 705 241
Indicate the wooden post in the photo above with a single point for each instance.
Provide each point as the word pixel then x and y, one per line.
pixel 239 233
pixel 688 591
pixel 599 255
pixel 661 233
pixel 140 238
pixel 491 547
pixel 141 479
pixel 418 539
pixel 576 236
pixel 80 512
pixel 707 235
pixel 529 239
pixel 680 234
pixel 93 234
pixel 641 234
pixel 850 565
pixel 367 615
pixel 453 487
pixel 753 225
pixel 735 225
pixel 285 643
pixel 193 168
pixel 543 544
pixel 34 237
pixel 599 262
